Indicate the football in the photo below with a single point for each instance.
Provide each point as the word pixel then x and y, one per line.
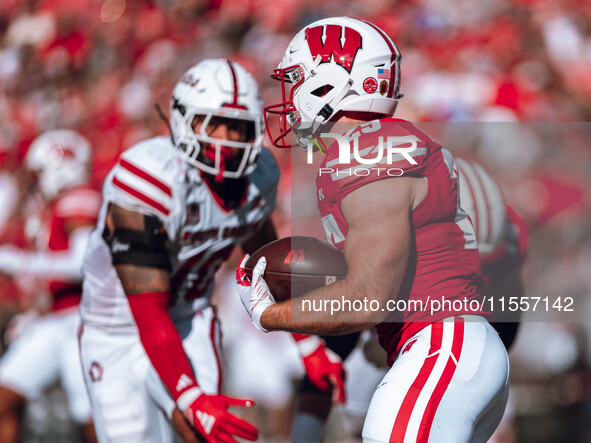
pixel 296 265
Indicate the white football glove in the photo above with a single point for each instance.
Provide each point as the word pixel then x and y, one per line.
pixel 256 297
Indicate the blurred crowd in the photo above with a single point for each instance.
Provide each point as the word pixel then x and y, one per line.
pixel 101 66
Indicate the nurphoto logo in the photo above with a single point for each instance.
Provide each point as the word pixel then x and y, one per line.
pixel 389 150
pixel 399 146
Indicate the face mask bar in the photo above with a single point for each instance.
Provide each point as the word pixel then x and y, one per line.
pixel 289 118
pixel 223 164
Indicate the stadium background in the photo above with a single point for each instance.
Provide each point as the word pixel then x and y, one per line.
pixel 100 66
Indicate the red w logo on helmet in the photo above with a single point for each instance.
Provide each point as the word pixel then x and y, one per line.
pixel 344 54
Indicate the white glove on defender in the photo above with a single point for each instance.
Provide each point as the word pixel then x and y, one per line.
pixel 256 297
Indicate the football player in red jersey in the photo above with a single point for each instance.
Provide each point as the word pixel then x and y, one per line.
pixel 502 244
pixel 404 236
pixel 47 350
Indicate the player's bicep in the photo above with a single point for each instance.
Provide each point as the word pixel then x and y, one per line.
pixel 378 242
pixel 138 250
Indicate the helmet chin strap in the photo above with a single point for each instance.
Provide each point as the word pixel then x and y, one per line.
pixel 328 109
pixel 323 116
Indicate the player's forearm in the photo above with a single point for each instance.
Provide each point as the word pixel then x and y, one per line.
pixel 278 318
pixel 162 342
pixel 165 350
pixel 65 264
pixel 325 311
pixel 148 295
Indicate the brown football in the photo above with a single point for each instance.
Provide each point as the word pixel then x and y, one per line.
pixel 296 265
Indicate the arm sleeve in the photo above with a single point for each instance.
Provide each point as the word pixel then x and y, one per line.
pixel 162 341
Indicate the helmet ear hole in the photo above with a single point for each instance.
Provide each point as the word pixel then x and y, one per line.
pixel 322 90
pixel 176 105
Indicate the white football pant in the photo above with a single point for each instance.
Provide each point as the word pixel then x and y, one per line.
pixel 449 383
pixel 129 402
pixel 45 353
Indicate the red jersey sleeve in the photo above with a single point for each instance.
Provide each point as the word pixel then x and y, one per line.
pixel 378 150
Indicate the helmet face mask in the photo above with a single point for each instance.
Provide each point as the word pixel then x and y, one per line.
pixel 216 93
pixel 289 117
pixel 333 65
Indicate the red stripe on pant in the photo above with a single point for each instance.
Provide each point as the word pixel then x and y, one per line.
pixel 410 400
pixel 448 372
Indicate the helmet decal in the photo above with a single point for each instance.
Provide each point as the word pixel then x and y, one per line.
pixel 343 54
pixel 234 103
pixel 189 79
pixel 370 85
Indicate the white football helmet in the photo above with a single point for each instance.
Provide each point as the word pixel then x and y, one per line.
pixel 61 159
pixel 482 200
pixel 335 64
pixel 212 90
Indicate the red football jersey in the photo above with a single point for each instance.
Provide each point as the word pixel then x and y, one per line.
pixel 444 264
pixel 77 203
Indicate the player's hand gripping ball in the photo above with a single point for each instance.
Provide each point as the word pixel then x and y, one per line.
pixel 296 265
pixel 288 267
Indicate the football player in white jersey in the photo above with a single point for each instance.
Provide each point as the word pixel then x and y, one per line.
pixel 173 210
pixel 47 350
pixel 503 238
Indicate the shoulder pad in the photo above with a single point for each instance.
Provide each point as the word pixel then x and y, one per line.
pixel 482 200
pixel 266 174
pixel 143 177
pixel 377 150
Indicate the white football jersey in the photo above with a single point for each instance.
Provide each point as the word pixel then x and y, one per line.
pixel 152 178
pixel 483 201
